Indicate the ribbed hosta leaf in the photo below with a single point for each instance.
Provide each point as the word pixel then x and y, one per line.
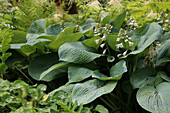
pixel 66 36
pixel 142 77
pixel 116 72
pixel 87 25
pixel 163 53
pixel 88 91
pixel 76 74
pixel 155 100
pixel 145 35
pixel 40 64
pixel 37 27
pixel 54 29
pixel 76 52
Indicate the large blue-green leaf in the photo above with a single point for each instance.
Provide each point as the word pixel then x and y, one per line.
pixel 87 25
pixel 145 35
pixel 54 29
pixel 66 36
pixel 37 27
pixel 86 92
pixel 76 52
pixel 42 63
pixel 59 67
pixel 163 53
pixel 116 72
pixel 155 100
pixel 118 21
pixel 143 77
pixel 77 74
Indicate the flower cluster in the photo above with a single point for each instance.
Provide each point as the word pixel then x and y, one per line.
pixel 164 21
pixel 123 41
pixel 131 24
pixel 102 44
pixel 99 30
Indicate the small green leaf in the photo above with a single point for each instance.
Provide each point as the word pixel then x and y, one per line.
pixel 155 100
pixel 5 56
pixel 3 68
pixel 28 49
pixel 101 109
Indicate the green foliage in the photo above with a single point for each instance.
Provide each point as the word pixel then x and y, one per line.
pixel 99 62
pixel 5 38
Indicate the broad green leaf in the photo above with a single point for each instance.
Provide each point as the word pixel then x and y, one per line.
pixel 5 56
pixel 115 72
pixel 42 63
pixel 67 88
pixel 118 69
pixel 91 42
pixel 3 68
pixel 86 92
pixel 118 21
pixel 28 49
pixel 105 20
pixel 76 52
pixel 57 67
pixel 111 40
pixel 164 76
pixel 18 37
pixel 163 53
pixel 37 27
pixel 87 25
pixel 143 77
pixel 101 109
pixel 145 36
pixel 54 29
pixel 63 39
pixel 155 100
pixel 77 74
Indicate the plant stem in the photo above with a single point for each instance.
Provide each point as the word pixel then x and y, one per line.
pixel 124 104
pixel 107 103
pixel 24 75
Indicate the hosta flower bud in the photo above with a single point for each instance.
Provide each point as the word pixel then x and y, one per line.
pixel 97 41
pixel 102 45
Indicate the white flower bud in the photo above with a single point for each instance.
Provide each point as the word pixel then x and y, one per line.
pixel 130 38
pixel 119 55
pixel 119 45
pixel 118 39
pixel 102 45
pixel 167 21
pixel 103 38
pixel 131 43
pixel 124 53
pixel 126 40
pixel 166 15
pixel 97 41
pixel 104 52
